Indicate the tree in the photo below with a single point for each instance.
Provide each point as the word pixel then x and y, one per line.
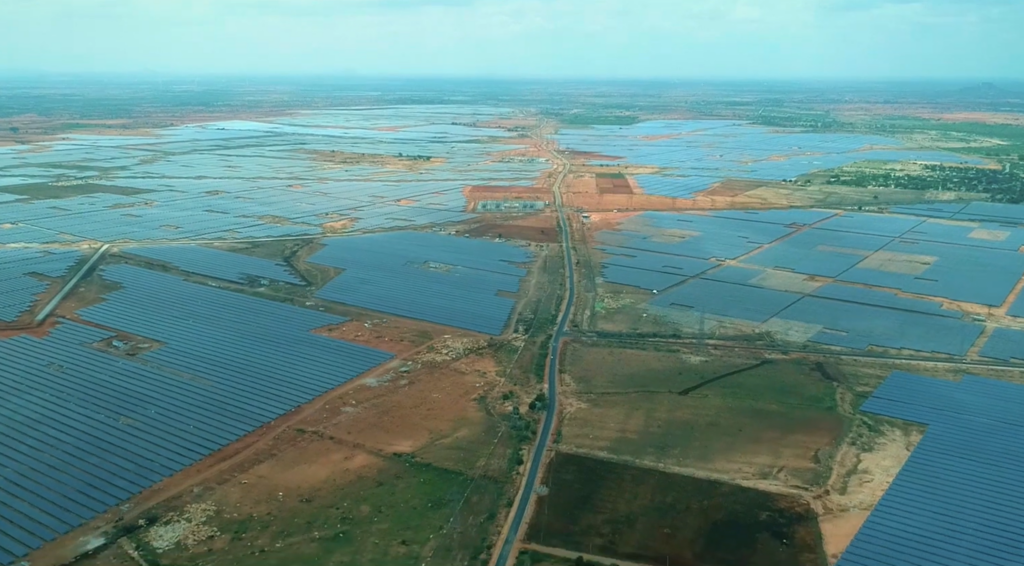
pixel 15 129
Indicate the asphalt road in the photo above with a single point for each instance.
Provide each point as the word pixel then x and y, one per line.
pixel 512 535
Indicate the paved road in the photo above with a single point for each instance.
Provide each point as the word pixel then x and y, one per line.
pixel 512 534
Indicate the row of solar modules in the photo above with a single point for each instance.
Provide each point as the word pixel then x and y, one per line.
pixel 433 277
pixel 83 430
pixel 18 288
pixel 914 255
pixel 675 187
pixel 958 499
pixel 662 252
pixel 219 264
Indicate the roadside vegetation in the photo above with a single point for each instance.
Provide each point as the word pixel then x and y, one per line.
pixel 1004 184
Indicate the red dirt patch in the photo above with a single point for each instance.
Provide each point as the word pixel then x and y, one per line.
pixel 590 156
pixel 837 531
pixel 396 336
pixel 539 228
pixel 41 331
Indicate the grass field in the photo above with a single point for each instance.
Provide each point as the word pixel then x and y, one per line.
pixel 777 420
pixel 653 517
pixel 394 516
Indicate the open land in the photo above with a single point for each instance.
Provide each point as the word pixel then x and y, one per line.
pixel 401 255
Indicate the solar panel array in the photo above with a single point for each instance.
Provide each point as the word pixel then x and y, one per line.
pixel 427 276
pixel 219 264
pixel 958 498
pixel 1005 344
pixel 839 276
pixel 695 154
pixel 239 179
pixel 18 289
pixel 82 429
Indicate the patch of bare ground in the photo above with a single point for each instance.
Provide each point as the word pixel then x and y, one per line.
pixel 397 336
pixel 541 228
pixel 978 117
pixel 589 156
pixel 345 159
pixel 862 470
pixel 838 530
pixel 338 226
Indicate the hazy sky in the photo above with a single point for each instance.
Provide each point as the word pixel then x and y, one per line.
pixel 521 38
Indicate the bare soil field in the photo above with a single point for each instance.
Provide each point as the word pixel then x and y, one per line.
pixel 475 194
pixel 652 517
pixel 541 228
pixel 582 192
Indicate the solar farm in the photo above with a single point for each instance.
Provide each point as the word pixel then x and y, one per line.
pixel 694 155
pixel 324 336
pixel 856 280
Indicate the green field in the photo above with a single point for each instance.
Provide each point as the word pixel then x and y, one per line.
pixel 780 415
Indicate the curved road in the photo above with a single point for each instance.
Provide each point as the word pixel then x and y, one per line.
pixel 530 485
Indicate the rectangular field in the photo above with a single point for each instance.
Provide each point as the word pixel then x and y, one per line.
pixel 652 517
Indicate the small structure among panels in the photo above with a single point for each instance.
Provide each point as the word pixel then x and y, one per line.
pixel 958 499
pixel 83 429
pixel 427 276
pixel 217 263
pixel 18 289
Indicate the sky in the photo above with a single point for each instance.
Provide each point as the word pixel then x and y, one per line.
pixel 610 39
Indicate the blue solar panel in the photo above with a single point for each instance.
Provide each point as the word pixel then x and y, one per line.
pixel 980 234
pixel 792 216
pixel 819 252
pixel 883 299
pixel 992 212
pixel 942 270
pixel 433 277
pixel 958 498
pixel 858 326
pixel 873 224
pixel 934 210
pixel 752 304
pixel 217 263
pixel 692 235
pixel 641 278
pixel 19 290
pixel 1004 344
pixel 82 430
